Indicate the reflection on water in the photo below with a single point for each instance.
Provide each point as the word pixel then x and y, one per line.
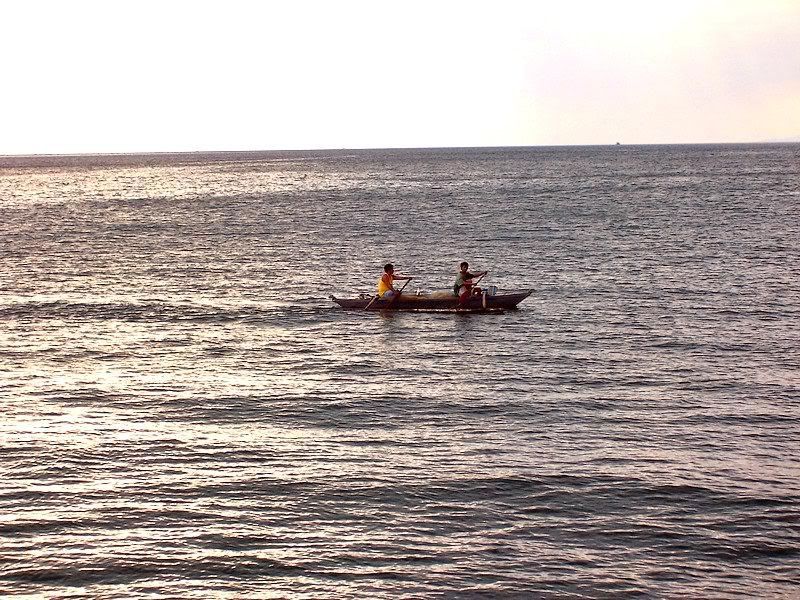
pixel 187 415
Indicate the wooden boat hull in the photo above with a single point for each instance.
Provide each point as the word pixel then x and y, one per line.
pixel 481 303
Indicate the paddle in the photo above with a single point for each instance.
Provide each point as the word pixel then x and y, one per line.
pixel 400 291
pixel 483 295
pixel 474 283
pixel 371 301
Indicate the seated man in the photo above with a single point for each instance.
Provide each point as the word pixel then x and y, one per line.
pixel 385 288
pixel 464 286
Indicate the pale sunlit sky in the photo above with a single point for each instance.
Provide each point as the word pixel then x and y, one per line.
pixel 109 76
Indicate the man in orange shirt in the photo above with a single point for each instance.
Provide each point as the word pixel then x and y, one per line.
pixel 385 288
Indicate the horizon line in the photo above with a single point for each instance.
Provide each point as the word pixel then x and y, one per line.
pixel 367 149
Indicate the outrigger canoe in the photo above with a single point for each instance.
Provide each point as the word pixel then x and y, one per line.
pixel 438 301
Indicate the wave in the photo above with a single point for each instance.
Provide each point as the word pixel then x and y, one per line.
pixel 160 311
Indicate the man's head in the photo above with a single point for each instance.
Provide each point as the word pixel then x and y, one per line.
pixel 388 268
pixel 464 266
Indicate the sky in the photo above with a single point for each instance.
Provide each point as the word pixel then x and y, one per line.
pixel 142 76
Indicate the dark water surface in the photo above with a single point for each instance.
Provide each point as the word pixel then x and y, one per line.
pixel 185 414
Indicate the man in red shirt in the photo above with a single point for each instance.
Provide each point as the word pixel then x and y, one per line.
pixel 464 285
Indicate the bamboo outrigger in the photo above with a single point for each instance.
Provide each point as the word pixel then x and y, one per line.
pixel 483 302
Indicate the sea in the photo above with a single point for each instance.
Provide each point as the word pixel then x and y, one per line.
pixel 187 414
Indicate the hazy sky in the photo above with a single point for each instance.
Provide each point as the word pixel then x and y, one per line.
pixel 228 75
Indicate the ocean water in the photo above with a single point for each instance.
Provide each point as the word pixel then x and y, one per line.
pixel 186 414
